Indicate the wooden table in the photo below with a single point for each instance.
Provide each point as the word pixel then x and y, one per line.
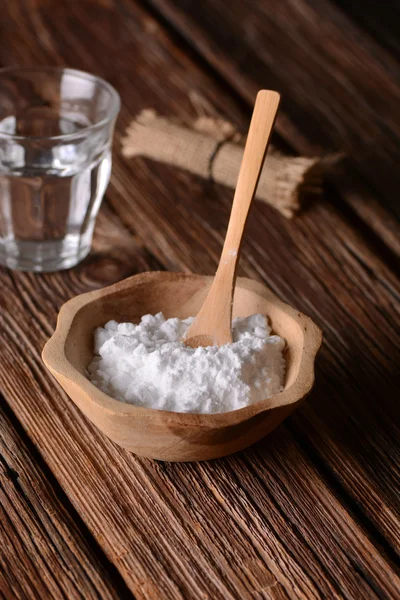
pixel 313 510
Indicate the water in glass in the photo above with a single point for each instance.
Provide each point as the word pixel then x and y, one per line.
pixel 53 175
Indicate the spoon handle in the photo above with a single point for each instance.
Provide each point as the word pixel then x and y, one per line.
pixel 262 122
pixel 213 324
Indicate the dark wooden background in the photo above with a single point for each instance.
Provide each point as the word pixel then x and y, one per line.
pixel 313 510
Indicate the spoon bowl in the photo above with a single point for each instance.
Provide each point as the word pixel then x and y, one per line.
pixel 166 435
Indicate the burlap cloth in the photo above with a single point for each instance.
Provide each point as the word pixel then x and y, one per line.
pixel 212 148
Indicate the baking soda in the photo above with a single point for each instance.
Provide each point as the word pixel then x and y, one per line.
pixel 148 365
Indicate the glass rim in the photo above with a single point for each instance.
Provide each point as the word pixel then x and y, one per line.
pixel 114 109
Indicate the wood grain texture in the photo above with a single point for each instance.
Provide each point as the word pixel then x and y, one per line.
pixel 46 550
pixel 311 512
pixel 216 529
pixel 381 21
pixel 340 87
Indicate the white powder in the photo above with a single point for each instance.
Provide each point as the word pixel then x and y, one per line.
pixel 148 365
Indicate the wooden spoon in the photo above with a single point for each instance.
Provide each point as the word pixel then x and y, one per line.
pixel 213 324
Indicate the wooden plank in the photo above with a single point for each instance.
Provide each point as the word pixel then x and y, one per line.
pixel 268 522
pixel 380 20
pixel 347 290
pixel 46 550
pixel 215 529
pixel 371 215
pixel 341 307
pixel 340 88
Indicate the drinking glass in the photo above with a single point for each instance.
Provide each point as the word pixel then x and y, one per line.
pixel 56 128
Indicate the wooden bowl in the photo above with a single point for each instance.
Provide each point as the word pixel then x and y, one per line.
pixel 168 435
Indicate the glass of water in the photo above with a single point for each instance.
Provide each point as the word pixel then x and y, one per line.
pixel 56 128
